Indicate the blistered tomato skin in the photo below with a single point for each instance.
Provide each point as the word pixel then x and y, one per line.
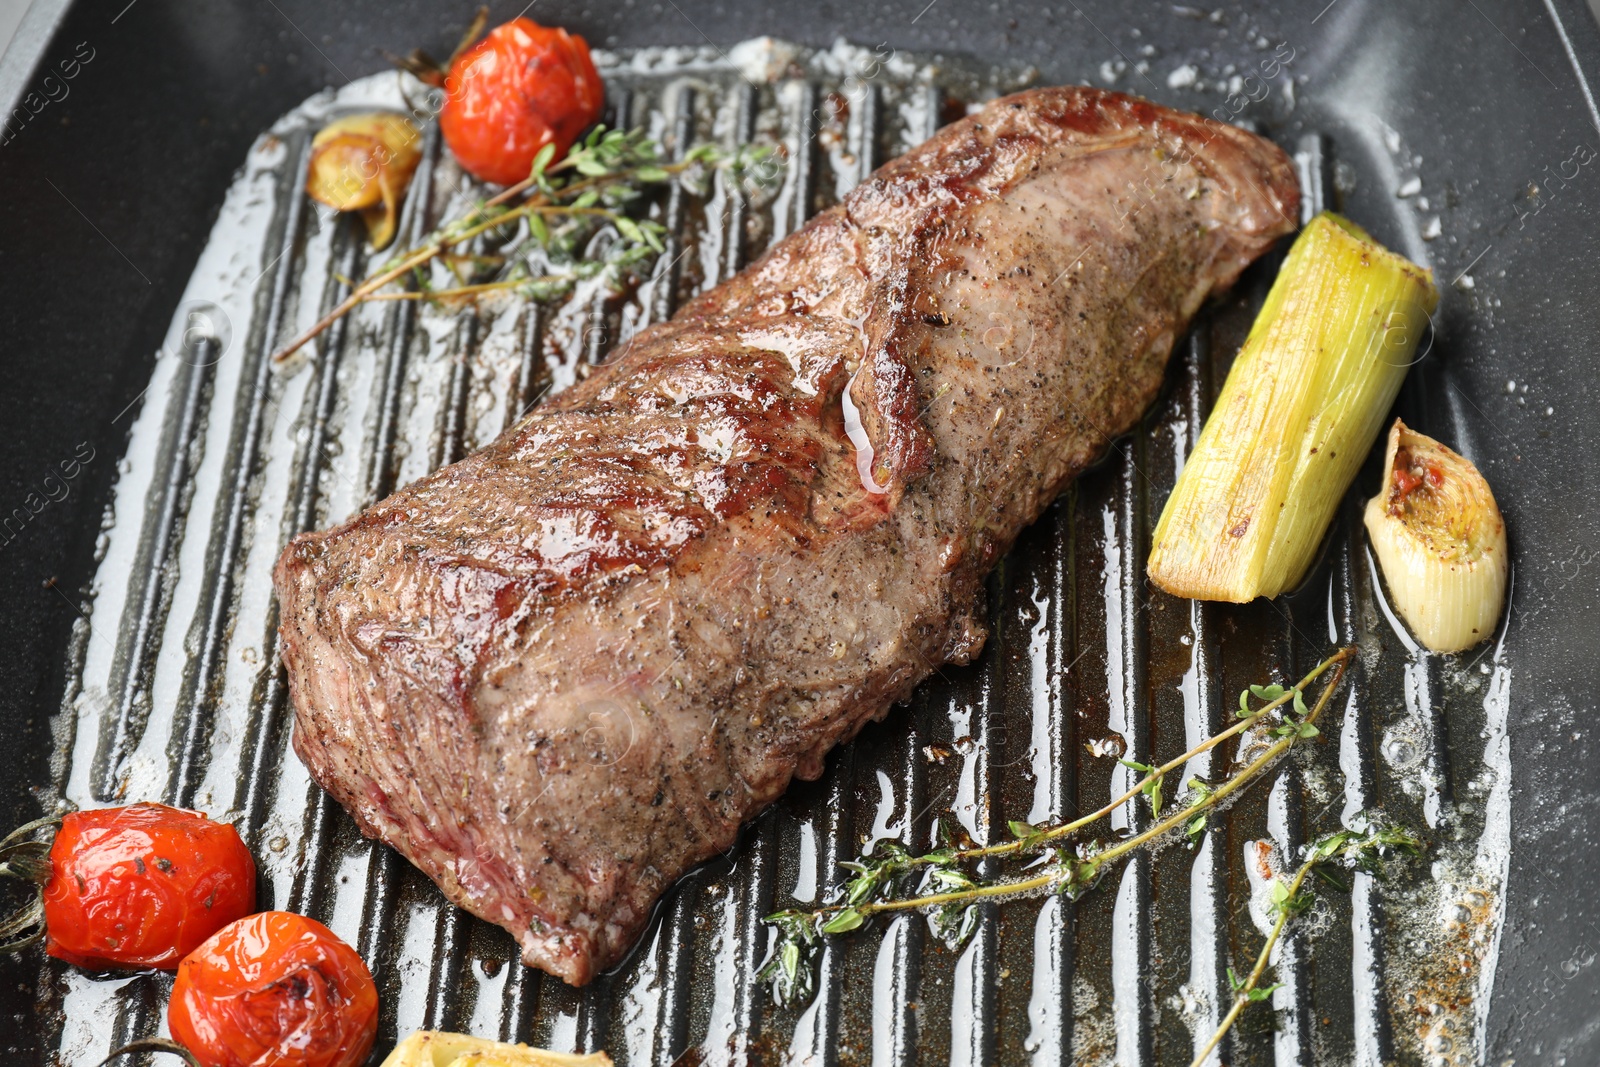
pixel 142 886
pixel 520 88
pixel 274 990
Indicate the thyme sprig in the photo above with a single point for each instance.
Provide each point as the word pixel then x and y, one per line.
pixel 1365 846
pixel 564 204
pixel 882 882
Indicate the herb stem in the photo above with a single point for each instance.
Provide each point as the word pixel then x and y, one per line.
pixel 540 205
pixel 1257 766
pixel 1241 997
pixel 948 887
pixel 357 295
pixel 958 896
pixel 445 294
pixel 511 192
pixel 1339 658
pixel 423 254
pixel 1164 826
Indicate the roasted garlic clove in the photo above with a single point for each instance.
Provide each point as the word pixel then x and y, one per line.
pixel 364 163
pixel 1440 540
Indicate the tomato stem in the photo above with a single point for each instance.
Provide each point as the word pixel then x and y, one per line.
pixel 25 829
pixel 31 918
pixel 26 860
pixel 468 39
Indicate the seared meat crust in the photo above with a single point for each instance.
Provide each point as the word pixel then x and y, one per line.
pixel 561 672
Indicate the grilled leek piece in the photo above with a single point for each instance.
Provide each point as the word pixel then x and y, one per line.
pixel 431 1048
pixel 1440 540
pixel 1301 408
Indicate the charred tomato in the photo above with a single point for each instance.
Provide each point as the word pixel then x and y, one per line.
pixel 137 886
pixel 274 990
pixel 520 88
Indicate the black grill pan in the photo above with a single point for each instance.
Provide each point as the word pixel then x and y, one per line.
pixel 1453 132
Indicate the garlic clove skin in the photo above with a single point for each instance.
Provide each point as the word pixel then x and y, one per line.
pixel 364 163
pixel 1440 541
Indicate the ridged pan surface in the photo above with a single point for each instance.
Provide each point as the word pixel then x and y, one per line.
pixel 176 693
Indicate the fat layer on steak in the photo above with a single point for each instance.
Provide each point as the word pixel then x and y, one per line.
pixel 561 672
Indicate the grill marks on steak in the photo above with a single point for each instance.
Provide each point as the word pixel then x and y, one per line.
pixel 559 673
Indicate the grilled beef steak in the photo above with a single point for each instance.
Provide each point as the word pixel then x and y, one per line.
pixel 561 672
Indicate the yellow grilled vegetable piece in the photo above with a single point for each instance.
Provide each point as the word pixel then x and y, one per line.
pixel 1301 407
pixel 364 163
pixel 432 1048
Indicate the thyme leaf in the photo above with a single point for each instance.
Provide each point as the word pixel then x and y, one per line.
pixel 1150 785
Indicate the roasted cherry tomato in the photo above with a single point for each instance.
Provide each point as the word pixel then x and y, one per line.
pixel 274 990
pixel 520 88
pixel 141 886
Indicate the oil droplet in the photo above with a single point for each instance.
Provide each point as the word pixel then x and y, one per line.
pixel 1401 751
